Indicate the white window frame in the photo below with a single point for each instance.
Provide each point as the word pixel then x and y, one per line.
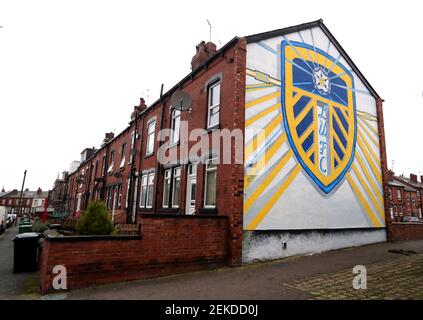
pixel 150 186
pixel 119 197
pixel 132 147
pixel 151 130
pixel 175 122
pixel 399 196
pixel 128 181
pixel 176 177
pixel 167 180
pixel 144 183
pixel 208 169
pixel 211 107
pixel 122 162
pixel 112 163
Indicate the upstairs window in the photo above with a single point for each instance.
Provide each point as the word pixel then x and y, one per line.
pixel 132 147
pixel 175 126
pixel 399 194
pixel 103 168
pixel 150 137
pixel 112 162
pixel 122 161
pixel 390 194
pixel 166 187
pixel 213 104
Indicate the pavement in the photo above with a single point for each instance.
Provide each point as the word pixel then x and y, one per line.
pixel 14 285
pixel 394 271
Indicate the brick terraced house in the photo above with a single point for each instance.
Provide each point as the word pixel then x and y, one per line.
pixel 312 128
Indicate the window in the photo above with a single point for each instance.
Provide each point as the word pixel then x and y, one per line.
pixel 147 190
pixel 390 193
pixel 28 202
pixel 166 187
pixel 413 200
pixel 119 199
pixel 150 191
pixel 112 162
pixel 213 104
pixel 132 147
pixel 408 199
pixel 122 162
pixel 128 181
pixel 399 194
pixel 391 211
pixel 176 187
pixel 103 166
pixel 395 211
pixel 150 137
pixel 400 210
pixel 143 196
pixel 210 183
pixel 175 126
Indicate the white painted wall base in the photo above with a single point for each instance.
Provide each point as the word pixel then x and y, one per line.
pixel 269 245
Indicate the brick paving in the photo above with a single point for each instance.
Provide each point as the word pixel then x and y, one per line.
pixel 400 278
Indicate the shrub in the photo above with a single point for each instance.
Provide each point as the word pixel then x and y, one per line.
pixel 38 226
pixel 95 221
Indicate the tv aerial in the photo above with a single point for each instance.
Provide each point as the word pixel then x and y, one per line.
pixel 181 101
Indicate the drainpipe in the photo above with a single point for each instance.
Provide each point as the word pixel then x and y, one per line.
pixel 130 208
pixel 156 184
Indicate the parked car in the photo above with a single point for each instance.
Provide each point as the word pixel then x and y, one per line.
pixel 11 219
pixel 3 219
pixel 411 219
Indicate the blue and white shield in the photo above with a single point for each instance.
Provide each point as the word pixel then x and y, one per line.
pixel 319 113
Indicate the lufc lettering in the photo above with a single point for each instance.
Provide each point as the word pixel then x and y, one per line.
pixel 322 138
pixel 219 309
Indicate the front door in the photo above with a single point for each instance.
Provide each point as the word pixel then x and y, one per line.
pixel 191 189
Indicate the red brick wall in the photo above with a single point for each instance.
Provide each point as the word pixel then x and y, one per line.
pixel 169 244
pixel 398 231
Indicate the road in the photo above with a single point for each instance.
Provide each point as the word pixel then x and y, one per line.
pixel 19 285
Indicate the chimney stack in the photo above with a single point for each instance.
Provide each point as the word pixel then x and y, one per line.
pixel 2 190
pixel 139 108
pixel 413 177
pixel 109 136
pixel 39 191
pixel 204 52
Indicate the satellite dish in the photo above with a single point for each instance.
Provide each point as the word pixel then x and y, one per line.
pixel 181 100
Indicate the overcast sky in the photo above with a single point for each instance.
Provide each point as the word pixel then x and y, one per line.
pixel 72 70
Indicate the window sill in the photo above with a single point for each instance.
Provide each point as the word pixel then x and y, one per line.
pixel 148 155
pixel 169 210
pixel 215 127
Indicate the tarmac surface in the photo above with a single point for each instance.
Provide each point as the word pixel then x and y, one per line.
pixel 394 271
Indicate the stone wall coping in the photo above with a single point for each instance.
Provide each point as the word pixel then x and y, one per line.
pixel 91 238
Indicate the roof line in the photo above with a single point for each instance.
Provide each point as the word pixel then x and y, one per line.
pixel 317 23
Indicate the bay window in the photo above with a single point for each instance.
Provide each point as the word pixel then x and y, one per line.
pixel 176 187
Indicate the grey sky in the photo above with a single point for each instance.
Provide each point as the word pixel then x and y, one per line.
pixel 72 70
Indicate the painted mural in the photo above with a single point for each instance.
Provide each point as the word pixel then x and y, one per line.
pixel 311 145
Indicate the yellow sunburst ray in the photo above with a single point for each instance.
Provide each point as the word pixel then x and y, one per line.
pixel 363 202
pixel 273 199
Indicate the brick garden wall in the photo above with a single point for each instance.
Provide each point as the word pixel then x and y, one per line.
pixel 168 244
pixel 399 231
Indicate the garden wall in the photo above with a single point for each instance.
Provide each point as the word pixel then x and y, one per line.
pixel 400 231
pixel 167 245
